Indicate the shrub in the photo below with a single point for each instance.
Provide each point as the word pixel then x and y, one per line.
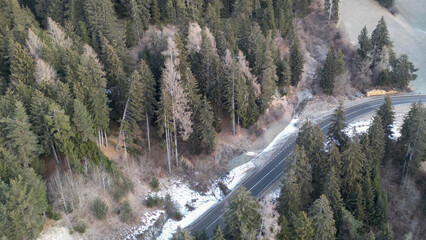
pixel 80 227
pixel 189 207
pixel 225 190
pixel 171 209
pixel 177 216
pixel 153 201
pixel 126 212
pixel 122 186
pixel 155 184
pixel 99 208
pixel 52 214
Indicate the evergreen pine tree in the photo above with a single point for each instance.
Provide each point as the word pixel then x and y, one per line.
pixel 380 36
pixel 380 208
pixel 269 17
pixel 24 202
pixel 387 232
pixel 322 219
pixel 333 67
pixel 371 236
pixel 296 63
pixel 102 23
pixel 290 197
pixel 83 122
pixel 412 140
pixel 116 79
pixel 303 229
pixel 350 226
pixel 18 137
pixel 353 159
pixel 182 235
pixel 284 14
pixel 38 109
pixel 203 129
pixel 285 231
pixel 303 174
pixel 218 234
pixel 312 138
pixel 22 67
pixel 368 194
pixel 155 13
pixel 377 142
pixel 334 159
pixel 336 130
pixel 387 115
pixel 364 43
pixel 403 72
pixel 268 79
pixel 243 217
pixel 93 94
pixel 332 192
pixel 284 78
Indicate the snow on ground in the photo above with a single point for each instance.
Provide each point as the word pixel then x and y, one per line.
pixel 237 174
pixel 290 129
pixel 183 196
pixel 201 203
pixel 359 127
pixel 147 220
pixel 251 154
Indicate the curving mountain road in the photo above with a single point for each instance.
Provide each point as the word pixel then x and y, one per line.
pixel 260 180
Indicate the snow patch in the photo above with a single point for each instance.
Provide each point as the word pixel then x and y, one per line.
pixel 147 220
pixel 237 174
pixel 251 154
pixel 358 127
pixel 290 129
pixel 183 196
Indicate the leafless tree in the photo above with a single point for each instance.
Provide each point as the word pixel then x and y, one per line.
pixel 194 38
pixel 176 99
pixel 57 34
pixel 34 44
pixel 44 73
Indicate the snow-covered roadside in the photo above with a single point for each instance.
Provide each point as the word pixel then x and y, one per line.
pixel 290 129
pixel 201 203
pixel 183 196
pixel 361 124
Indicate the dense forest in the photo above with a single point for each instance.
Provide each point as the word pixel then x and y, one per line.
pixel 332 188
pixel 157 72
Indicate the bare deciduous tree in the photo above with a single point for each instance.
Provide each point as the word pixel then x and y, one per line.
pixel 245 69
pixel 210 37
pixel 194 38
pixel 34 44
pixel 57 34
pixel 175 100
pixel 44 73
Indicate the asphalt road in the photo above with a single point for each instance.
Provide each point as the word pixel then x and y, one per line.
pixel 258 182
